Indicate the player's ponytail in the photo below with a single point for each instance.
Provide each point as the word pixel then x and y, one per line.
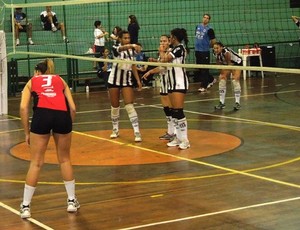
pixel 45 67
pixel 50 66
pixel 181 36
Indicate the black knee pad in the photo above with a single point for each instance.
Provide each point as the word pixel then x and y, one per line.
pixel 178 114
pixel 168 111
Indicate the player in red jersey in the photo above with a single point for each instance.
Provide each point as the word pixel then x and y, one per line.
pixel 53 113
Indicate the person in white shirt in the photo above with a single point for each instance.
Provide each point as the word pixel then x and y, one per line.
pixel 99 36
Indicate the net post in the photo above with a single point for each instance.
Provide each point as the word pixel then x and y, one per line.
pixel 3 75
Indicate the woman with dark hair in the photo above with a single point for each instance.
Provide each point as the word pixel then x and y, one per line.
pixel 114 34
pixel 164 44
pixel 120 80
pixel 99 36
pixel 133 29
pixel 226 56
pixel 53 113
pixel 178 84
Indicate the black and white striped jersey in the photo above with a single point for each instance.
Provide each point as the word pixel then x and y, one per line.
pixel 177 75
pixel 121 73
pixel 234 57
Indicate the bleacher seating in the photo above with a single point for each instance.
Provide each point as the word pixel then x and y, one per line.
pixel 153 24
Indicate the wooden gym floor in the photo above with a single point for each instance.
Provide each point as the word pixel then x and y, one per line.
pixel 241 172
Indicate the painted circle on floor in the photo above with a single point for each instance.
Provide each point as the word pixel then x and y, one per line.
pixel 96 148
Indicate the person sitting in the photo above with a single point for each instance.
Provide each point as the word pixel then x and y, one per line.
pixel 105 67
pixel 21 25
pixel 50 22
pixel 142 69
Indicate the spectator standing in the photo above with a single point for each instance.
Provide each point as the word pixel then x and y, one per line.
pixel 50 22
pixel 21 24
pixel 204 40
pixel 133 29
pixel 99 36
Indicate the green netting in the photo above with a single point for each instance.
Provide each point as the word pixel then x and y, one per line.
pixel 236 23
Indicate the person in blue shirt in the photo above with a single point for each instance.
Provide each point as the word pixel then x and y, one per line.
pixel 105 67
pixel 204 40
pixel 142 69
pixel 21 24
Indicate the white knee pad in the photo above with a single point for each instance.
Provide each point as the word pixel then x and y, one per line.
pixel 130 110
pixel 236 85
pixel 222 84
pixel 115 112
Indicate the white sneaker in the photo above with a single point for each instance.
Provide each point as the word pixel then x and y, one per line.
pixel 184 145
pixel 114 134
pixel 73 205
pixel 175 142
pixel 54 29
pixel 201 90
pixel 66 40
pixel 30 41
pixel 17 42
pixel 212 83
pixel 138 137
pixel 25 211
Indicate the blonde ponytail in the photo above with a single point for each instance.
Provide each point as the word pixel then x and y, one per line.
pixel 50 66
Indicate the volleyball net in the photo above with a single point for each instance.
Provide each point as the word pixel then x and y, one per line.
pixel 236 24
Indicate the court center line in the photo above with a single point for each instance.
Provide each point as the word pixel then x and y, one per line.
pixel 193 101
pixel 291 127
pixel 200 162
pixel 212 213
pixel 161 180
pixel 34 221
pixel 220 167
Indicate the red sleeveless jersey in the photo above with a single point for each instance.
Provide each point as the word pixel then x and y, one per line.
pixel 48 92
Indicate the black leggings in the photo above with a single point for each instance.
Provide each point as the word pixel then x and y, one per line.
pixel 203 74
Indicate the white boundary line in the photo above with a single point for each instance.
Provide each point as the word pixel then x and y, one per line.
pixel 212 213
pixel 34 221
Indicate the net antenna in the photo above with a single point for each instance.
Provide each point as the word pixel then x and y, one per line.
pixel 3 74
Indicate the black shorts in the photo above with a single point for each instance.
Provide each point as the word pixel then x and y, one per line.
pixel 118 86
pixel 184 91
pixel 47 26
pixel 99 51
pixel 22 30
pixel 45 120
